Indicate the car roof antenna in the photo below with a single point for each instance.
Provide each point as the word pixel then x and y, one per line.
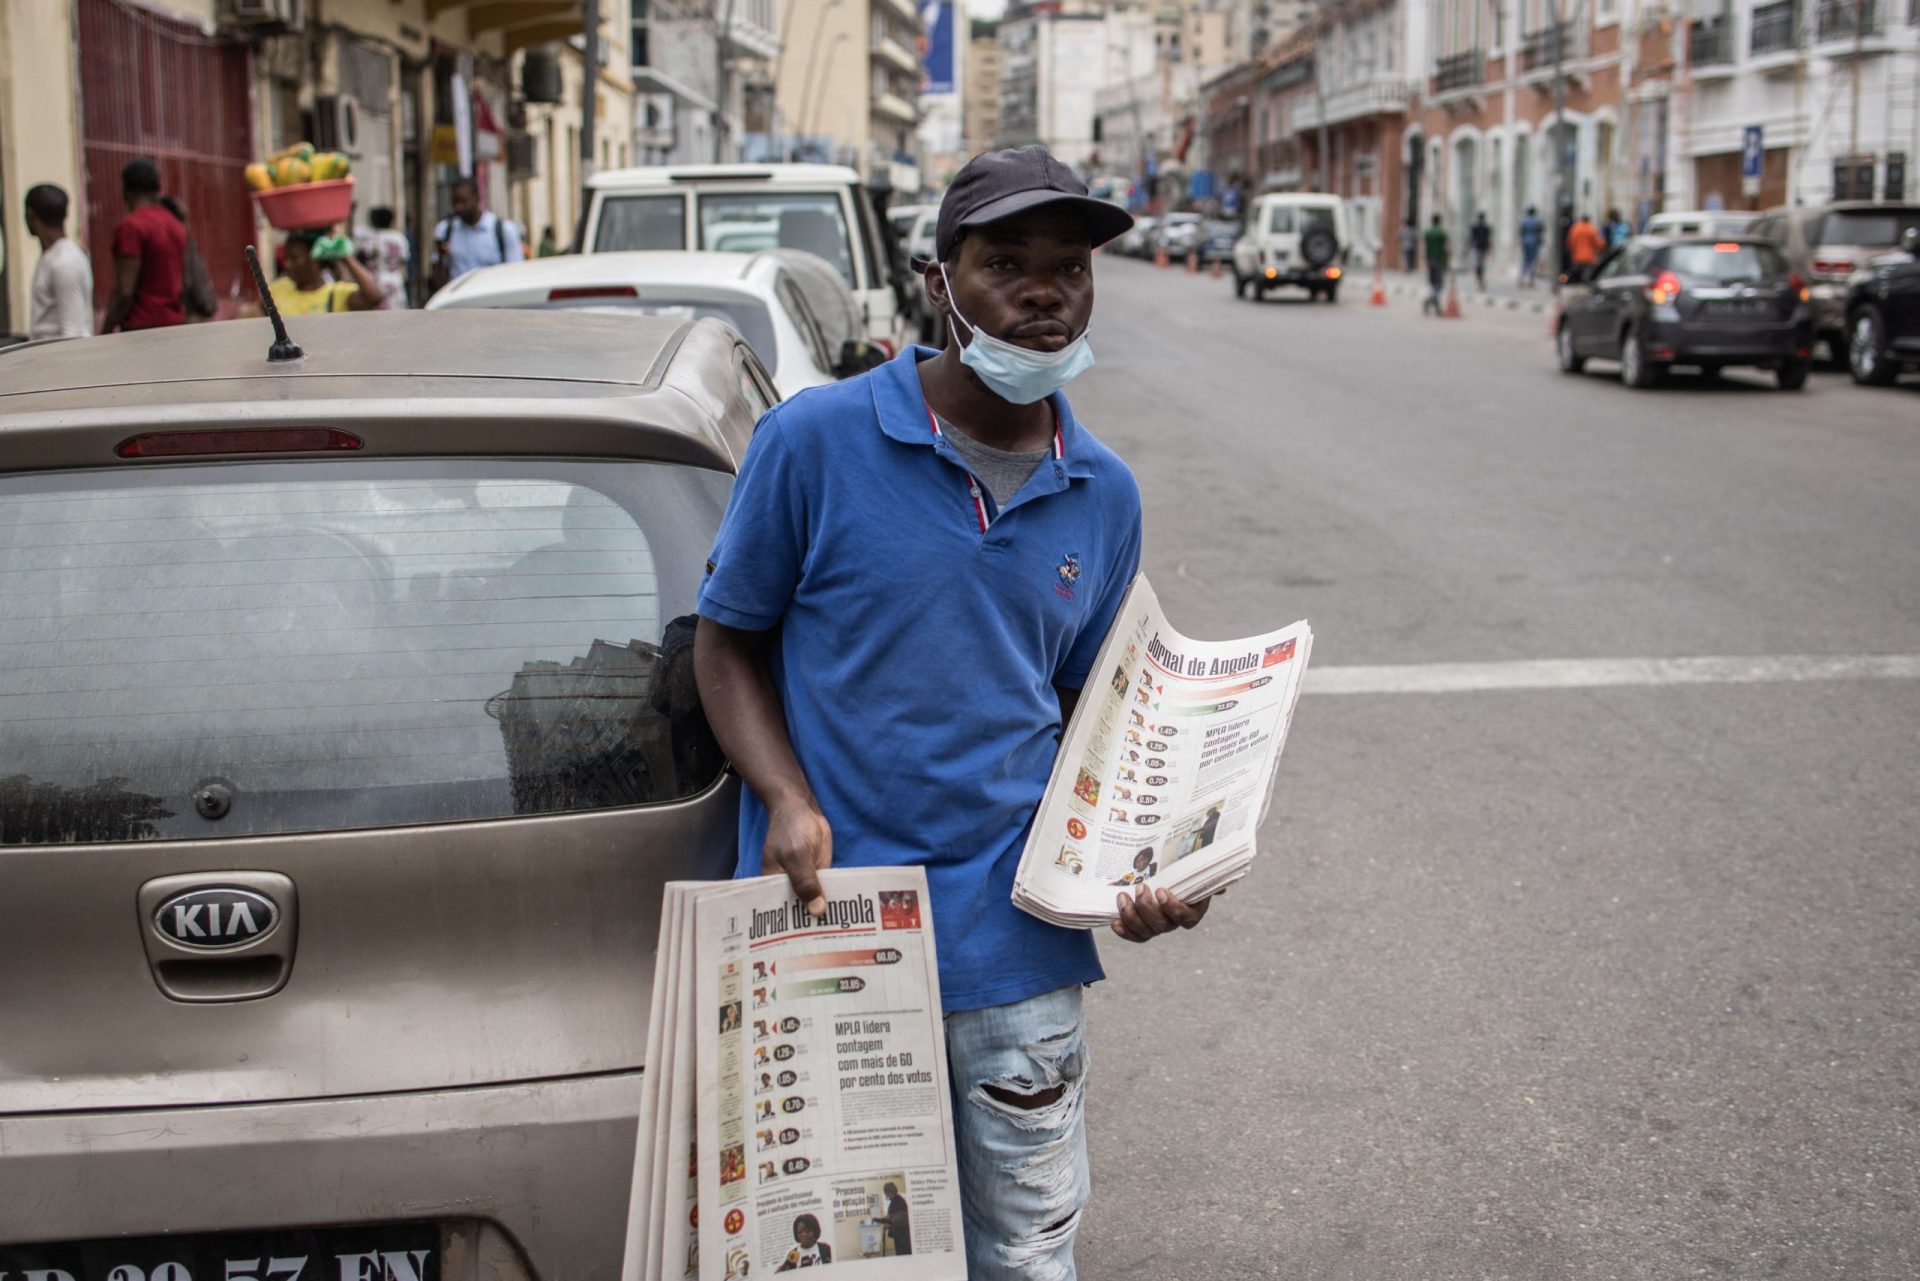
pixel 284 348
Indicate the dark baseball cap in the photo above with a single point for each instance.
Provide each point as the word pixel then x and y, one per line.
pixel 999 184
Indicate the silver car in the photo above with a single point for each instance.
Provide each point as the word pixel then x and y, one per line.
pixel 347 736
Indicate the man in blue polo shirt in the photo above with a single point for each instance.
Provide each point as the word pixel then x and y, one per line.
pixel 914 574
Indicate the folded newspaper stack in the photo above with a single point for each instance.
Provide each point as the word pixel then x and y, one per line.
pixel 1163 776
pixel 794 1112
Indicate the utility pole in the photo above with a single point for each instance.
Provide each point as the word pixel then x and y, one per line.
pixel 721 38
pixel 589 89
pixel 1562 194
pixel 1323 180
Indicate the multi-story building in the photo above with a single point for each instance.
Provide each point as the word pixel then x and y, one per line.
pixel 1353 127
pixel 847 83
pixel 1524 108
pixel 980 99
pixel 1833 86
pixel 696 84
pixel 1052 65
pixel 417 92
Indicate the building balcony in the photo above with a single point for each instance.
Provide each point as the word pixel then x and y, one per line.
pixel 1845 19
pixel 1709 44
pixel 1775 27
pixel 904 8
pixel 896 55
pixel 1561 42
pixel 893 107
pixel 1379 96
pixel 753 39
pixel 1460 71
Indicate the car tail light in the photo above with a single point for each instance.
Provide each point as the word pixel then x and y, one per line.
pixel 1727 247
pixel 1833 266
pixel 887 345
pixel 1664 289
pixel 1333 273
pixel 266 440
pixel 1798 286
pixel 578 292
pixel 1273 273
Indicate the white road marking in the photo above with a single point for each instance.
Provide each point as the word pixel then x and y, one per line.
pixel 1595 673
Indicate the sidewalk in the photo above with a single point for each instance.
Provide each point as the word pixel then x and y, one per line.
pixel 1501 294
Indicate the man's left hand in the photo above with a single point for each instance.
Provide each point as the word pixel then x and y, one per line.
pixel 1146 914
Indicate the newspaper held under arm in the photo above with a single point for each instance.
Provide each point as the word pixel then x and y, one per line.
pixel 1165 772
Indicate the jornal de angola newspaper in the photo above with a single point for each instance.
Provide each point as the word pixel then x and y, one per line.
pixel 796 1112
pixel 1164 774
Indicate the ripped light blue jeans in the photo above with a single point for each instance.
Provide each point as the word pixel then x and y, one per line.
pixel 1020 1123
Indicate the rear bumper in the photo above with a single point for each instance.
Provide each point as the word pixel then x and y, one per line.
pixel 1730 344
pixel 1829 308
pixel 1312 277
pixel 549 1162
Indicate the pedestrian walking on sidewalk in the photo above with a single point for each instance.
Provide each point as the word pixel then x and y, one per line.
pixel 1584 243
pixel 823 663
pixel 149 256
pixel 1480 236
pixel 1619 230
pixel 1437 260
pixel 1409 247
pixel 1533 234
pixel 62 292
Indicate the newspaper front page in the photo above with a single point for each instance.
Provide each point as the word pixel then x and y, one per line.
pixel 1164 774
pixel 802 1117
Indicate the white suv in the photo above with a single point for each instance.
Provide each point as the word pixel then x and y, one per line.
pixel 1293 238
pixel 822 209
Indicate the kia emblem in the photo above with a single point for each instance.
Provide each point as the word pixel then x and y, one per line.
pixel 215 918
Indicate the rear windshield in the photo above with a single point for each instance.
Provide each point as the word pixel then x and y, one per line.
pixel 747 222
pixel 347 644
pixel 748 317
pixel 1282 219
pixel 1869 228
pixel 641 222
pixel 1740 264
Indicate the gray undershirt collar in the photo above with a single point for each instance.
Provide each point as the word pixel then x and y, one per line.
pixel 1002 473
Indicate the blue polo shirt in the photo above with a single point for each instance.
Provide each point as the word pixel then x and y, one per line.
pixel 917 652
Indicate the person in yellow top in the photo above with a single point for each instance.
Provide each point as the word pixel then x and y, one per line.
pixel 306 289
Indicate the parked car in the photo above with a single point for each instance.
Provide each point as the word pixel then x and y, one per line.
pixel 1179 234
pixel 914 227
pixel 1826 244
pixel 1883 314
pixel 822 209
pixel 1721 223
pixel 1293 238
pixel 350 738
pixel 1652 304
pixel 1137 240
pixel 755 293
pixel 1218 236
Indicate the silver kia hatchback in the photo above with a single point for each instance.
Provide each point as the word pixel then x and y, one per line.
pixel 347 735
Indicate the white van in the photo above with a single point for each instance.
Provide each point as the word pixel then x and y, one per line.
pixel 822 209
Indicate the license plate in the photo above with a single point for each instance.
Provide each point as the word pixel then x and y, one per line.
pixel 377 1252
pixel 1743 307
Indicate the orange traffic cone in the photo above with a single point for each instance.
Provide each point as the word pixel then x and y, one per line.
pixel 1193 262
pixel 1379 298
pixel 1216 269
pixel 1453 297
pixel 1160 256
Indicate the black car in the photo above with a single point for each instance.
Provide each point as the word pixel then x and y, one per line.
pixel 1655 303
pixel 1883 314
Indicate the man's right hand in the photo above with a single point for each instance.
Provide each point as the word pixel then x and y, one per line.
pixel 799 843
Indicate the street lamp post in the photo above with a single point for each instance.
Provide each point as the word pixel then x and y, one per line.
pixel 813 59
pixel 807 111
pixel 590 60
pixel 1561 182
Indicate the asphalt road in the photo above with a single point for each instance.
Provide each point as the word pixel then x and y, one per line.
pixel 1586 982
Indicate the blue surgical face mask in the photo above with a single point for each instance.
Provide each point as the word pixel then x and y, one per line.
pixel 1019 374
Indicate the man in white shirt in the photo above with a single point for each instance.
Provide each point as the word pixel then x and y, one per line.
pixel 386 251
pixel 472 238
pixel 63 281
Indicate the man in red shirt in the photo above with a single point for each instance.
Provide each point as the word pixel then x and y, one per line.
pixel 1584 242
pixel 149 256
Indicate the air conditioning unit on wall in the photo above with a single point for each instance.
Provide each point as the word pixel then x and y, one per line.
pixel 336 123
pixel 263 15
